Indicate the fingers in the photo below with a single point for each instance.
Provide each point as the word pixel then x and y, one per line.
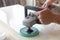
pixel 45 5
pixel 43 21
pixel 40 7
pixel 43 11
pixel 37 13
pixel 44 16
pixel 40 12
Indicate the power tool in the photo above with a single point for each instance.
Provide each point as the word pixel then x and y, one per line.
pixel 29 21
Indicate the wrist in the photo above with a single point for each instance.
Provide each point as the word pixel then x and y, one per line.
pixel 49 2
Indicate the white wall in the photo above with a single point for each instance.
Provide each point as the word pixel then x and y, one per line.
pixel 30 2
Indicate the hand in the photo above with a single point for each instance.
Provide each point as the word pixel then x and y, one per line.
pixel 45 16
pixel 46 4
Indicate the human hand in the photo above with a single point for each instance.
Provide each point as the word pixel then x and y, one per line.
pixel 45 16
pixel 46 4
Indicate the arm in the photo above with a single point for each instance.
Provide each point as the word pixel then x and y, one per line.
pixel 48 3
pixel 51 1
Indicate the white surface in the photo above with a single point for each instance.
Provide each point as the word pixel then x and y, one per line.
pixel 30 2
pixel 2 36
pixel 15 16
pixel 45 29
pixel 3 16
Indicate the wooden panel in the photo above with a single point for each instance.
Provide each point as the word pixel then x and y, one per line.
pixel 41 0
pixel 10 2
pixel 1 3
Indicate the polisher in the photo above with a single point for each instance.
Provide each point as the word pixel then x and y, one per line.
pixel 29 21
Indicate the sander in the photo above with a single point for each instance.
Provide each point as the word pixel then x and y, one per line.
pixel 29 21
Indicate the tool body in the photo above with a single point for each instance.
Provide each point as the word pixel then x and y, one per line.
pixel 29 21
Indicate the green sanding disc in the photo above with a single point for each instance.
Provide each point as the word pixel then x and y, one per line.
pixel 23 32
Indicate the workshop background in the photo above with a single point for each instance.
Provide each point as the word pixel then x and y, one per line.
pixel 23 2
pixel 12 15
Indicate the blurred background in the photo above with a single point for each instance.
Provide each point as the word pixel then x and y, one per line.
pixel 23 2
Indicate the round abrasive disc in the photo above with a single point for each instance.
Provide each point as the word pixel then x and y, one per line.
pixel 24 32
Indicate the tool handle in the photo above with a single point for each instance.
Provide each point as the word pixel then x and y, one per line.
pixel 31 8
pixel 35 9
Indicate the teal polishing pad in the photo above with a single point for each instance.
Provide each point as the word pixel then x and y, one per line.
pixel 23 32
